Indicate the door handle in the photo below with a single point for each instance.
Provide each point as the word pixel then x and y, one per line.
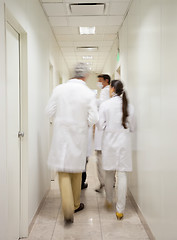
pixel 21 134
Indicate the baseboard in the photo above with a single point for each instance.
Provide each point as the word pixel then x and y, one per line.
pixel 142 219
pixel 37 212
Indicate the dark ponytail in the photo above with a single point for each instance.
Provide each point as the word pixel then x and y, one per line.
pixel 119 90
pixel 124 109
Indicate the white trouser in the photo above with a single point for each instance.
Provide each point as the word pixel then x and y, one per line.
pixel 121 191
pixel 100 171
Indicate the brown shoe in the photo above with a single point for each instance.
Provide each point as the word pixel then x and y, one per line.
pixel 81 207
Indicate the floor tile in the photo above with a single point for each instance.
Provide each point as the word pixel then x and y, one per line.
pixel 95 222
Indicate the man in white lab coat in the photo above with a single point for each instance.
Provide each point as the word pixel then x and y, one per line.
pixel 103 83
pixel 73 108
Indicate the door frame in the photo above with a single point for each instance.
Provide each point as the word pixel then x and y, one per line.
pixel 9 18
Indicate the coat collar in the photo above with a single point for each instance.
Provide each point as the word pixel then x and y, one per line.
pixel 108 86
pixel 75 80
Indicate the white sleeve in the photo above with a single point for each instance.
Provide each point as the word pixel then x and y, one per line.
pixel 104 95
pixel 92 112
pixel 102 118
pixel 51 106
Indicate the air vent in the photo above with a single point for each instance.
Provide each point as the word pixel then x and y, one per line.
pixel 88 9
pixel 86 48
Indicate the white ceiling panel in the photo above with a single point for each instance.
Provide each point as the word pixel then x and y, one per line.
pixel 114 20
pixel 87 21
pixel 108 37
pixel 93 43
pixel 66 44
pixel 104 49
pixel 106 43
pixel 85 38
pixel 79 54
pixel 58 21
pixel 68 49
pixel 52 1
pixel 65 30
pixel 88 37
pixel 67 38
pixel 107 29
pixel 55 9
pixel 118 8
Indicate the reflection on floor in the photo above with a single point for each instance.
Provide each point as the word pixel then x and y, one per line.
pixel 93 223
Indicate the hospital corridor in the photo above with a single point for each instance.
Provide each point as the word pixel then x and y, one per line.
pixel 88 92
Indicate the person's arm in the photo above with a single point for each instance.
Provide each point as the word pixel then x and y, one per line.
pixel 51 106
pixel 92 112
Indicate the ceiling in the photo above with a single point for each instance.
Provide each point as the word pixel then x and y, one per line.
pixel 66 16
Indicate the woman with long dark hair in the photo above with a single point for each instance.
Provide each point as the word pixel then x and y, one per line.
pixel 117 121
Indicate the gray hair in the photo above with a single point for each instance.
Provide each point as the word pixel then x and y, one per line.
pixel 81 70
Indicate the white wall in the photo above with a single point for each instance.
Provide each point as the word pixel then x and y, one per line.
pixel 42 49
pixel 148 50
pixel 111 61
pixel 92 81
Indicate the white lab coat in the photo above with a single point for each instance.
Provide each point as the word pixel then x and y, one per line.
pixel 104 95
pixel 73 108
pixel 90 142
pixel 116 142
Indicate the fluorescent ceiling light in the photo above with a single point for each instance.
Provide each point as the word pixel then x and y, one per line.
pixel 87 57
pixel 87 30
pixel 86 48
pixel 89 63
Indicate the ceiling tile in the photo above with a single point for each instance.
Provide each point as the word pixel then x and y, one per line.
pixel 118 8
pixel 55 9
pixel 52 1
pixel 65 30
pixel 84 39
pixel 68 49
pixel 65 27
pixel 66 44
pixel 58 21
pixel 107 29
pixel 109 37
pixel 87 21
pixel 114 20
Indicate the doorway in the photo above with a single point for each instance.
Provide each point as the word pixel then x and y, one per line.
pixel 51 87
pixel 13 129
pixel 16 117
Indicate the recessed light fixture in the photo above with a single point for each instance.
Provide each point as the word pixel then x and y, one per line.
pixel 89 63
pixel 86 48
pixel 87 30
pixel 87 57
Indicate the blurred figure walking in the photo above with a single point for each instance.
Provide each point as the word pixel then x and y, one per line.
pixel 103 83
pixel 116 119
pixel 73 108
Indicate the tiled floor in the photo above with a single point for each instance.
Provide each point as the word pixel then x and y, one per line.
pixel 93 223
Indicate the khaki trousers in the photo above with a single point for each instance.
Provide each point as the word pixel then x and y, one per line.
pixel 70 189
